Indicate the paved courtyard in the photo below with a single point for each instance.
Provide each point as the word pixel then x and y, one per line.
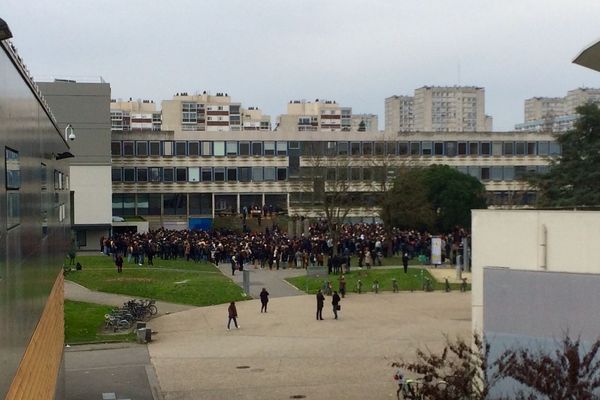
pixel 286 352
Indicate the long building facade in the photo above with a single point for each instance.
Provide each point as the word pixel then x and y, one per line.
pixel 173 178
pixel 35 236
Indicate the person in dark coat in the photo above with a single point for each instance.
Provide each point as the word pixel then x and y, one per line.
pixel 405 261
pixel 320 302
pixel 264 299
pixel 335 301
pixel 342 286
pixel 119 263
pixel 232 315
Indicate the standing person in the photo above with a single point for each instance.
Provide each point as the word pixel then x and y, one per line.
pixel 320 302
pixel 405 261
pixel 233 265
pixel 119 263
pixel 232 315
pixel 335 302
pixel 264 299
pixel 343 286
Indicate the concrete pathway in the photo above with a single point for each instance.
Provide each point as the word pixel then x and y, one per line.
pixel 287 352
pixel 74 291
pixel 273 280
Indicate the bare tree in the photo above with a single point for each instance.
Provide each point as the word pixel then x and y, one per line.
pixel 566 374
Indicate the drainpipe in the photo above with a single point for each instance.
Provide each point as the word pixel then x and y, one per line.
pixel 543 252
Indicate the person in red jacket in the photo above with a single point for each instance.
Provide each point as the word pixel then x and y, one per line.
pixel 232 315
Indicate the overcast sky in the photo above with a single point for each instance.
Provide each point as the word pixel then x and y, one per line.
pixel 267 52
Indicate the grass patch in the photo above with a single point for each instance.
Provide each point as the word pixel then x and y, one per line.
pixel 84 323
pixel 409 281
pixel 175 281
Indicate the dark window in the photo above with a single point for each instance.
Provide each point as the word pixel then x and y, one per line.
pixel 367 148
pixel 142 175
pixel 391 148
pixel 450 149
pixel 379 148
pixel 155 148
pixel 485 149
pixel 531 148
pixel 509 148
pixel 168 175
pixel 193 148
pixel 473 148
pixel 117 175
pixel 245 174
pixel 543 148
pixel 142 204
pixel 402 148
pixel 232 174
pixel 219 174
pixel 427 148
pixel 115 148
pixel 438 148
pixel 200 204
pixel 207 174
pixel 180 149
pixel 485 173
pixel 343 148
pixel 154 204
pixel 555 149
pixel 128 174
pixel 462 148
pixel 181 174
pixel 355 174
pixel 244 148
pixel 128 149
pixel 281 174
pixel 367 174
pixel 232 148
pixel 295 145
pixel 142 149
pixel 415 148
pixel 282 148
pixel 520 148
pixel 175 203
pixel 355 148
pixel 257 148
pixel 269 148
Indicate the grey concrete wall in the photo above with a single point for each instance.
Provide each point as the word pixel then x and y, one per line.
pixel 535 309
pixel 30 258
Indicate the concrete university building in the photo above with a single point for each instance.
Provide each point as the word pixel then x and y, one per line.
pixel 35 226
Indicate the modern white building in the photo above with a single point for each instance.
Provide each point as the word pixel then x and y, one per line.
pixel 134 115
pixel 324 116
pixel 438 109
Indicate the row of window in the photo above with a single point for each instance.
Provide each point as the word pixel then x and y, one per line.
pixel 333 148
pixel 196 148
pixel 198 174
pixel 125 204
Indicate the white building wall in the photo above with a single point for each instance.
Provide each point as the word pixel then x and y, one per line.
pixel 93 194
pixel 516 239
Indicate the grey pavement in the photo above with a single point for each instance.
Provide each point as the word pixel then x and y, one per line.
pixel 287 352
pixel 110 371
pixel 74 291
pixel 272 280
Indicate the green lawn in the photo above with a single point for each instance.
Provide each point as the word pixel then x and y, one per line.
pixel 409 281
pixel 175 281
pixel 84 323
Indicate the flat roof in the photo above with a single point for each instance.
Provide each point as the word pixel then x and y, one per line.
pixel 589 57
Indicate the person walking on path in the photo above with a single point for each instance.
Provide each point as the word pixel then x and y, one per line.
pixel 343 286
pixel 233 265
pixel 119 263
pixel 320 302
pixel 232 315
pixel 335 302
pixel 405 262
pixel 264 299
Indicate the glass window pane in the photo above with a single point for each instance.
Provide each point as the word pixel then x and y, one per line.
pixel 257 174
pixel 281 174
pixel 219 174
pixel 180 149
pixel 257 148
pixel 115 148
pixel 116 175
pixel 154 174
pixel 200 203
pixel 128 148
pixel 427 148
pixel 232 174
pixel 232 148
pixel 193 148
pixel 244 148
pixel 485 148
pixel 379 148
pixel 497 148
pixel 269 148
pixel 496 173
pixel 168 175
pixel 206 174
pixel 142 175
pixel 438 148
pixel 402 148
pixel 343 148
pixel 450 149
pixel 142 149
pixel 167 148
pixel 520 149
pixel 128 174
pixel 462 149
pixel 367 148
pixel 281 148
pixel 508 148
pixel 355 148
pixel 142 204
pixel 207 148
pixel 219 149
pixel 473 148
pixel 181 174
pixel 509 173
pixel 415 148
pixel 174 204
pixel 531 148
pixel 245 174
pixel 194 174
pixel 155 148
pixel 543 148
pixel 270 173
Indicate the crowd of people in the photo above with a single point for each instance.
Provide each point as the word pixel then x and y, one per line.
pixel 274 249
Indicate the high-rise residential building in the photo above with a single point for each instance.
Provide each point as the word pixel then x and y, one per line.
pixel 324 116
pixel 438 109
pixel 556 114
pixel 210 113
pixel 132 115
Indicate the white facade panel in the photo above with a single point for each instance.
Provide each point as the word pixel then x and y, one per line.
pixel 93 194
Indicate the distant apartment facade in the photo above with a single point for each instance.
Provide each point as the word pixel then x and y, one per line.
pixel 211 113
pixel 555 114
pixel 438 109
pixel 324 116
